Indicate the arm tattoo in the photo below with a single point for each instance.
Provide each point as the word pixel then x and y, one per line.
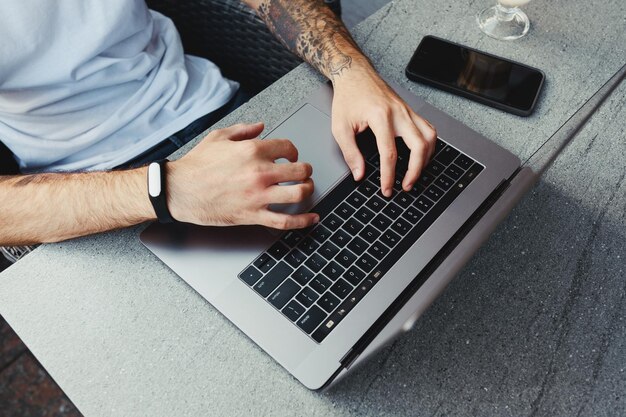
pixel 311 30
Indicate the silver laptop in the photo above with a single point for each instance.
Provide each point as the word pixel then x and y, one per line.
pixel 321 300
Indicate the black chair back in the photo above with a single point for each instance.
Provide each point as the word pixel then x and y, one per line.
pixel 8 166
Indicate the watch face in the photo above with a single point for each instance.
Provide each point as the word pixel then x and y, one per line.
pixel 154 179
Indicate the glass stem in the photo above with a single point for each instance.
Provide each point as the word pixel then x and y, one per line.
pixel 505 14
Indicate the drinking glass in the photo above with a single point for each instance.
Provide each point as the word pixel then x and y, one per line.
pixel 505 20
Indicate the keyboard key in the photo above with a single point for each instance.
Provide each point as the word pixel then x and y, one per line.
pixel 273 279
pixel 375 204
pixel 333 270
pixel 352 226
pixel 381 222
pixel 454 172
pixel 397 184
pixel 328 250
pixel 464 161
pixel 284 293
pixel 291 238
pixel 370 234
pixel 412 215
pixel 332 221
pixel 328 302
pixel 378 250
pixel 302 275
pixel 364 215
pixel 308 245
pixel 401 226
pixel 345 258
pixel 434 193
pixel 472 173
pixel 374 160
pixel 367 188
pixel 278 250
pixel 403 200
pixel 416 190
pixel 295 258
pixel 425 179
pixel 327 325
pixel 345 211
pixel 390 238
pixel 316 262
pixel 311 319
pixel 358 245
pixel 444 182
pixel 375 177
pixel 366 262
pixel 251 275
pixel 447 155
pixel 356 199
pixel 293 311
pixel 340 238
pixel 435 168
pixel 307 297
pixel 354 275
pixel 423 204
pixel 320 233
pixel 439 145
pixel 264 262
pixel 341 289
pixel 393 211
pixel 320 284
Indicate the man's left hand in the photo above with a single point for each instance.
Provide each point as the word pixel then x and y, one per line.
pixel 362 99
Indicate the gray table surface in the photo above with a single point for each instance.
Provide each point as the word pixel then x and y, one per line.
pixel 534 324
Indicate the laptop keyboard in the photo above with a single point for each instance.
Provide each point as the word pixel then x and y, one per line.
pixel 316 276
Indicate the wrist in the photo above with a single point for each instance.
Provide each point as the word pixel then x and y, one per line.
pixel 360 71
pixel 145 209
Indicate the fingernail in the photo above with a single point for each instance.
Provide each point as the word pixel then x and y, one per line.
pixel 356 173
pixel 316 219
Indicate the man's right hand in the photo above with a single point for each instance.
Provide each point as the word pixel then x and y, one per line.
pixel 231 177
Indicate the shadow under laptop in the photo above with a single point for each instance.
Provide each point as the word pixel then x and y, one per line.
pixel 536 315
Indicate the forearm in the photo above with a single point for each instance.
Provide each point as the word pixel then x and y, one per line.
pixel 54 207
pixel 313 32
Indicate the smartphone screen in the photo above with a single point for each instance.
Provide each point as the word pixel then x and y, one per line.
pixel 483 77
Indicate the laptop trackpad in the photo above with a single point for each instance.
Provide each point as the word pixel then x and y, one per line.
pixel 310 131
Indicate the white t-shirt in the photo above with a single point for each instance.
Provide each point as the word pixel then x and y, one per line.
pixel 90 84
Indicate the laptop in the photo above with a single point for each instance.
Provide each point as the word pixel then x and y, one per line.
pixel 322 300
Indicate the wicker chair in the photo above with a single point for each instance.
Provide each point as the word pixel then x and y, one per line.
pixel 228 33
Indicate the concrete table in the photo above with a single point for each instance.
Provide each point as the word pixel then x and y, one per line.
pixel 534 325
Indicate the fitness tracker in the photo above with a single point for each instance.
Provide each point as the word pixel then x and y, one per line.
pixel 157 191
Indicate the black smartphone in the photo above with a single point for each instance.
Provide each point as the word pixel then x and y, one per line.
pixel 485 78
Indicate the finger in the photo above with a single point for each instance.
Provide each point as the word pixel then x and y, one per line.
pixel 275 149
pixel 428 132
pixel 419 150
pixel 298 171
pixel 344 135
pixel 240 131
pixel 385 140
pixel 288 221
pixel 289 194
pixel 417 160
